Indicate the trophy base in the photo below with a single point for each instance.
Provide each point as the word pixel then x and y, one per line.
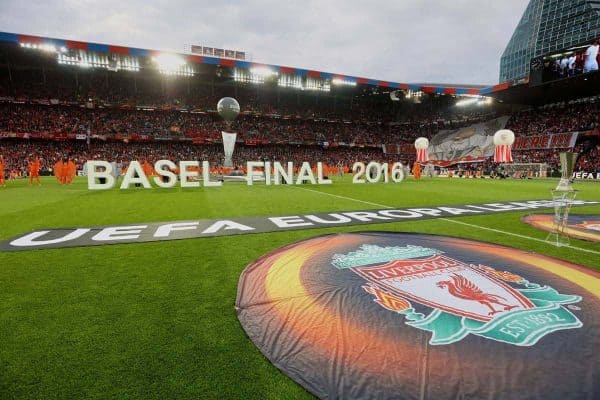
pixel 564 186
pixel 563 200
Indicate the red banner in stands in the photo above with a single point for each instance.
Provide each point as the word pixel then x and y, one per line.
pixel 553 141
pixel 256 142
pixel 389 148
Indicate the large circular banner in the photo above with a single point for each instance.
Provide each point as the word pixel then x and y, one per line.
pixel 580 226
pixel 410 316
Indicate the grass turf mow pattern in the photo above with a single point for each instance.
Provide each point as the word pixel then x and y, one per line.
pixel 156 320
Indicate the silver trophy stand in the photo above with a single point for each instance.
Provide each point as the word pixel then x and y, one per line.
pixel 563 197
pixel 228 108
pixel 227 161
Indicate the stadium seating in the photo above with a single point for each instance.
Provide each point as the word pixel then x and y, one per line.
pixel 303 135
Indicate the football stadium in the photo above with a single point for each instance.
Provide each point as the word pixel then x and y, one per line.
pixel 198 224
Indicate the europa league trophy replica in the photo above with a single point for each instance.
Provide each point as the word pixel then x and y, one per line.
pixel 228 108
pixel 563 197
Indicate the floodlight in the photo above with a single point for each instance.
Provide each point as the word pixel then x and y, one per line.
pixel 466 102
pixel 169 63
pixel 262 72
pixel 338 81
pixel 48 47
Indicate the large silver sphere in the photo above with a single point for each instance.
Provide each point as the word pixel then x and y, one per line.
pixel 228 108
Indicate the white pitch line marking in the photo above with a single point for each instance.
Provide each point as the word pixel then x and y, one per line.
pixel 454 221
pixel 516 235
pixel 344 197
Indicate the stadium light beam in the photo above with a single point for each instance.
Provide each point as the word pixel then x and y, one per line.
pixel 338 81
pixel 466 102
pixel 413 94
pixel 262 72
pixel 48 48
pixel 169 63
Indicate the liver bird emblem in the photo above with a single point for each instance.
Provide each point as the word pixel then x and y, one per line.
pixel 463 288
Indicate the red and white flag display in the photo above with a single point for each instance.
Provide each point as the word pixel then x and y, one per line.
pixel 503 140
pixel 422 146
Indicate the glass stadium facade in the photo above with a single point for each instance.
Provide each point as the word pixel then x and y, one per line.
pixel 546 26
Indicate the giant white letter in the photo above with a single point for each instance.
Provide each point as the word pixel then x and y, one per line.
pixel 206 176
pixel 93 174
pixel 184 173
pixel 320 179
pixel 305 174
pixel 250 165
pixel 167 173
pixel 279 172
pixel 135 174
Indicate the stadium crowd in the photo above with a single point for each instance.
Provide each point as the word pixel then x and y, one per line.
pixel 16 153
pixel 110 122
pixel 119 123
pixel 569 118
pixel 262 136
pixel 166 94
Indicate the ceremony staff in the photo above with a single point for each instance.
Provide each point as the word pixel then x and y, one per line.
pixel 2 180
pixel 417 170
pixel 147 168
pixel 34 171
pixel 64 171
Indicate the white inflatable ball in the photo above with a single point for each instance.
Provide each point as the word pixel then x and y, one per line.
pixel 504 136
pixel 421 143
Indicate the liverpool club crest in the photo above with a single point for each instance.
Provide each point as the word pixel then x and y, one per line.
pixel 464 298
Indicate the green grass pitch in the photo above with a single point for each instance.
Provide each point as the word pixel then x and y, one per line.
pixel 156 320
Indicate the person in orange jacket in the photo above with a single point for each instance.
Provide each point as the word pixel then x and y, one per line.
pixel 58 170
pixel 147 168
pixel 417 170
pixel 71 171
pixel 2 180
pixel 34 170
pixel 64 173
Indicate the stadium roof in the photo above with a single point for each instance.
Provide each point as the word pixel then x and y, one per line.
pixel 567 89
pixel 227 62
pixel 456 85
